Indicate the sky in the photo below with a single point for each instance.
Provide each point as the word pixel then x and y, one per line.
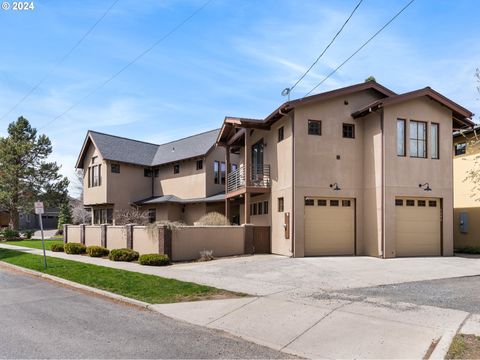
pixel 232 59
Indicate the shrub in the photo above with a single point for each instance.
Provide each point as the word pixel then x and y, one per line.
pixel 10 234
pixel 206 255
pixel 213 218
pixel 468 250
pixel 154 260
pixel 57 248
pixel 27 234
pixel 75 248
pixel 123 255
pixel 97 251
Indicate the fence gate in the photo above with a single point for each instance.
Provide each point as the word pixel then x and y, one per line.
pixel 261 240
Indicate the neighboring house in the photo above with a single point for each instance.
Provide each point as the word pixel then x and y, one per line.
pixel 178 181
pixel 28 220
pixel 356 171
pixel 466 203
pixel 4 218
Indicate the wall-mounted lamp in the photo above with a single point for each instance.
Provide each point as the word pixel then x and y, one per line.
pixel 335 187
pixel 426 186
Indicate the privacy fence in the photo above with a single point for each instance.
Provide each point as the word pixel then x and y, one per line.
pixel 179 243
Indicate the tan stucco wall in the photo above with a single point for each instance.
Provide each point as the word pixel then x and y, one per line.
pixel 116 237
pixel 404 174
pixel 143 241
pixel 93 236
pixel 187 242
pixel 73 234
pixel 97 194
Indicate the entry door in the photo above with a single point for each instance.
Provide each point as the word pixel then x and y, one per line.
pixel 418 226
pixel 329 226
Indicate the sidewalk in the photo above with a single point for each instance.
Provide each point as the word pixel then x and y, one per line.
pixel 293 320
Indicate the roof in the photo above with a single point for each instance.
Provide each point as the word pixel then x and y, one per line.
pixel 475 129
pixel 288 106
pixel 174 199
pixel 116 148
pixel 460 114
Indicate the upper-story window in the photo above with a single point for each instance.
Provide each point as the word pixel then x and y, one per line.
pixel 94 159
pixel 176 168
pixel 199 164
pixel 147 172
pixel 281 134
pixel 401 137
pixel 348 131
pixel 94 176
pixel 234 167
pixel 434 141
pixel 460 148
pixel 314 127
pixel 216 172
pixel 280 204
pixel 223 169
pixel 115 168
pixel 418 139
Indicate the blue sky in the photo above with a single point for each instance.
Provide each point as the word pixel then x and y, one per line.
pixel 234 58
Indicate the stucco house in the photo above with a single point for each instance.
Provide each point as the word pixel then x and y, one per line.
pixel 466 203
pixel 178 181
pixel 359 170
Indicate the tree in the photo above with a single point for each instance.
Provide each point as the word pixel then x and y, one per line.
pixel 64 215
pixel 80 215
pixel 370 78
pixel 25 173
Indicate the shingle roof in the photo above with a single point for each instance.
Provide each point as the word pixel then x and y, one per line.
pixel 174 199
pixel 116 148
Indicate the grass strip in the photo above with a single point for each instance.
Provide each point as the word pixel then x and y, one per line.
pixel 149 288
pixel 35 244
pixel 464 347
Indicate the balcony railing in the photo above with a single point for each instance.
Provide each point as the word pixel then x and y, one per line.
pixel 259 176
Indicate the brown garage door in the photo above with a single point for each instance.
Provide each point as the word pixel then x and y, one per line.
pixel 329 226
pixel 418 226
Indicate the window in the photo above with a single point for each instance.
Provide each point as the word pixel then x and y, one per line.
pixel 156 172
pixel 152 215
pixel 199 164
pixel 421 203
pixel 102 216
pixel 260 208
pixel 432 203
pixel 223 169
pixel 460 148
pixel 115 168
pixel 418 139
pixel 94 173
pixel 309 202
pixel 254 209
pixel 234 167
pixel 94 159
pixel 410 202
pixel 280 134
pixel 333 202
pixel 147 172
pixel 434 141
pixel 322 202
pixel 265 207
pixel 176 168
pixel 280 204
pixel 346 203
pixel 216 172
pixel 401 137
pixel 314 127
pixel 348 131
pixel 398 202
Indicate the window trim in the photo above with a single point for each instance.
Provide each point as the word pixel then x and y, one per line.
pixel 464 150
pixel 437 140
pixel 117 165
pixel 319 122
pixel 343 131
pixel 280 204
pixel 404 121
pixel 425 139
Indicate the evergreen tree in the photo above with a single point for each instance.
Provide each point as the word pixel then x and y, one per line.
pixel 64 216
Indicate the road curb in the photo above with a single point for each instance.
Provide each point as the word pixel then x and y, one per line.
pixel 78 286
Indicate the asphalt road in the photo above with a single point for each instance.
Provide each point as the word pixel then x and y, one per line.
pixel 462 293
pixel 40 319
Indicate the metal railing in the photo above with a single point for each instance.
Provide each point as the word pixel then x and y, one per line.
pixel 259 176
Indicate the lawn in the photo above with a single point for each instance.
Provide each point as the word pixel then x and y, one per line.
pixel 148 288
pixel 35 244
pixel 464 347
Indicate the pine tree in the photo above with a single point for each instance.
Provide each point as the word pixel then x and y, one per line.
pixel 64 216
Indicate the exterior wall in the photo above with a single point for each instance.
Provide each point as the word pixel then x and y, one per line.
pixel 316 163
pixel 193 212
pixel 465 195
pixel 187 242
pixel 73 234
pixel 217 154
pixel 404 174
pixel 143 242
pixel 116 237
pixel 93 236
pixel 97 194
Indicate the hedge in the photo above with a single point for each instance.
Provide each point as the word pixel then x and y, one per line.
pixel 154 260
pixel 75 248
pixel 97 251
pixel 57 248
pixel 123 255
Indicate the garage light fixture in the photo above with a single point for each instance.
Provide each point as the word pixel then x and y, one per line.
pixel 426 186
pixel 335 187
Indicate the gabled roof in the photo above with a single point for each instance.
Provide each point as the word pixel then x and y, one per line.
pixel 288 106
pixel 116 148
pixel 460 114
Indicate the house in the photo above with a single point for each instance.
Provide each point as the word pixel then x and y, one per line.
pixel 29 221
pixel 359 170
pixel 466 202
pixel 178 181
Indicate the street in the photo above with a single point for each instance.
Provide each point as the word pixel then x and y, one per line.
pixel 44 320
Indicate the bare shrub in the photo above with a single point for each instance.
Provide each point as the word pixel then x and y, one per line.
pixel 171 225
pixel 213 218
pixel 80 215
pixel 131 216
pixel 206 255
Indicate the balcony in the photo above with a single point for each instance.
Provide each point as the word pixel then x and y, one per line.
pixel 258 179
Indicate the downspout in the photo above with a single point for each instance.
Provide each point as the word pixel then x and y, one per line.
pixel 383 183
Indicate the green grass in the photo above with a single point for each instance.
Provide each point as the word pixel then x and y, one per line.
pixel 148 288
pixel 35 244
pixel 464 347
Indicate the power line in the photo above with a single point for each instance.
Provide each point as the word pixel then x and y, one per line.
pixel 360 48
pixel 65 57
pixel 138 57
pixel 288 90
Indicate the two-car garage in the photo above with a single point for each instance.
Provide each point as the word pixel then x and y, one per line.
pixel 330 226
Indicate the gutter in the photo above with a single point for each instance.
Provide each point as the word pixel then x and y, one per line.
pixel 383 185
